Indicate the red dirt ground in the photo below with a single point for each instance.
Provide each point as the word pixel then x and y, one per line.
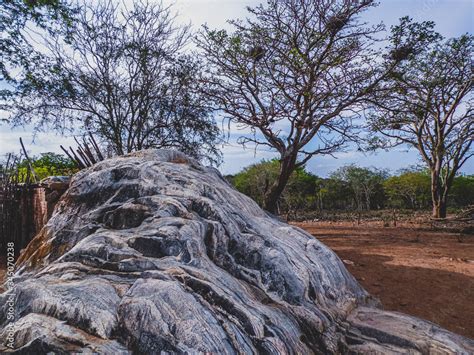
pixel 425 273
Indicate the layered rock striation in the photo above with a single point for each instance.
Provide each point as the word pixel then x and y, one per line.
pixel 153 253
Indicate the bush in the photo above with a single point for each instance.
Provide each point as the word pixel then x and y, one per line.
pixel 48 164
pixel 410 189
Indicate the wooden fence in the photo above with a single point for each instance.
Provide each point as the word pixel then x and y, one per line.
pixel 26 204
pixel 22 204
pixel 21 214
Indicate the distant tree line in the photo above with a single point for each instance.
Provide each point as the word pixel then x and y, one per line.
pixel 350 188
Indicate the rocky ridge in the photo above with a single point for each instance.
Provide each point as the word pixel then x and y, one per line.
pixel 152 252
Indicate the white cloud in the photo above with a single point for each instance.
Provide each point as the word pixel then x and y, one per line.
pixel 41 143
pixel 236 157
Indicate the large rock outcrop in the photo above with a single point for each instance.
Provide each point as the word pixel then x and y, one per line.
pixel 151 252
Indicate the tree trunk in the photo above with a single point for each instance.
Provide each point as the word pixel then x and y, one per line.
pixel 287 166
pixel 437 195
pixel 439 208
pixel 367 200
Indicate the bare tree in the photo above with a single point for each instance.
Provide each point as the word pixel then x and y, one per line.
pixel 122 75
pixel 297 73
pixel 428 104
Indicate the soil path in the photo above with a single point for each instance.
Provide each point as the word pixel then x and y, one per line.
pixel 428 274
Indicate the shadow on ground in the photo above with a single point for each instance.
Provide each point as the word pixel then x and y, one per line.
pixel 442 297
pixel 425 273
pixel 418 272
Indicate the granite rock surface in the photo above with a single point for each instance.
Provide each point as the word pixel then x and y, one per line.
pixel 153 253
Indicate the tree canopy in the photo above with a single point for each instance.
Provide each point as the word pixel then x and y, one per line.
pixel 17 19
pixel 298 74
pixel 428 104
pixel 122 75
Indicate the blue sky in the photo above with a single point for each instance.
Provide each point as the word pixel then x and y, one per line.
pixel 452 17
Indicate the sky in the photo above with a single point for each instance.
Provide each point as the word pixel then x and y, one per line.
pixel 452 18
